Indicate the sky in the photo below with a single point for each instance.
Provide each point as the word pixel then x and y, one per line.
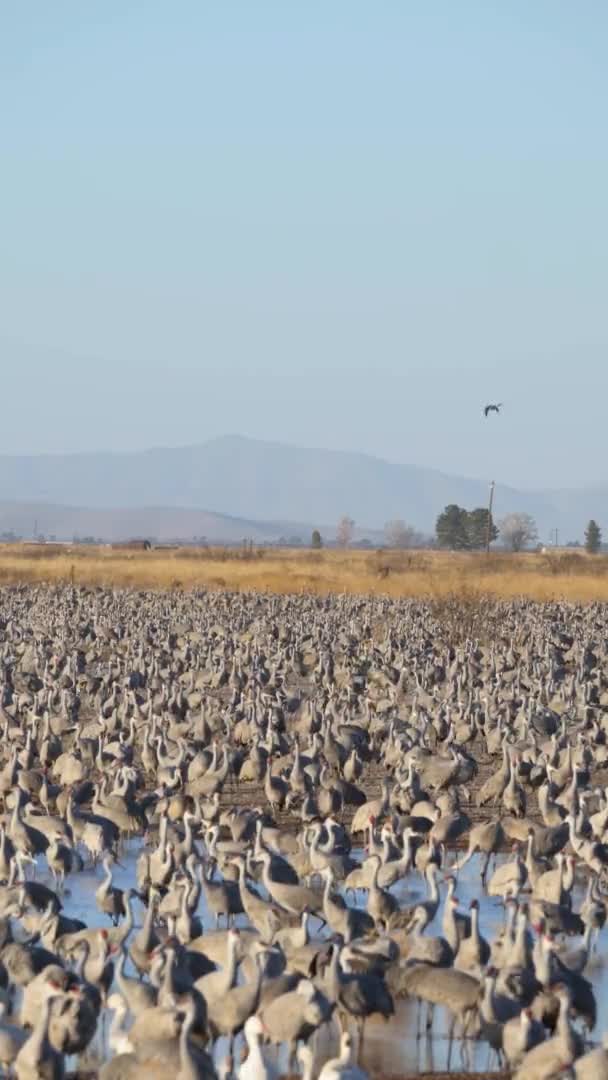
pixel 339 224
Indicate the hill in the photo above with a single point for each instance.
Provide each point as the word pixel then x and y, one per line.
pixel 160 523
pixel 262 482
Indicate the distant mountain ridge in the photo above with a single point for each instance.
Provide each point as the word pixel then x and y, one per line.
pixel 160 523
pixel 260 482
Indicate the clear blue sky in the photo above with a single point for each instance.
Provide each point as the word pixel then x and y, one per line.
pixel 339 223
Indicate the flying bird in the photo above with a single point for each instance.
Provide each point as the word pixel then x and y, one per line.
pixel 492 408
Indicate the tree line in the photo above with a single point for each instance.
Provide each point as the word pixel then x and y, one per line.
pixel 459 529
pixel 472 530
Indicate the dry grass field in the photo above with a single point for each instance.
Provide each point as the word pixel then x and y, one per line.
pixel 434 575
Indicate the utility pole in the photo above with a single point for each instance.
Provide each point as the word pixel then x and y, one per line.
pixel 489 530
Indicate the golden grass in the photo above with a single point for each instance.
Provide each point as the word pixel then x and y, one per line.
pixel 429 574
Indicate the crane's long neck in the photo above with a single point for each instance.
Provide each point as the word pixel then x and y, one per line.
pixel 187 1062
pixel 563 1028
pixel 231 964
pixel 127 925
pixel 117 1027
pixel 266 872
pixel 347 1054
pixel 120 975
pixel 148 925
pixel 167 982
pixel 487 1005
pixel 38 1039
pixel 475 923
pixel 543 964
pixel 417 926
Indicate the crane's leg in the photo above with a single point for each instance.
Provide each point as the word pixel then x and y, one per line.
pixel 430 1015
pixel 293 1056
pixel 451 1042
pixel 464 1043
pixel 361 1026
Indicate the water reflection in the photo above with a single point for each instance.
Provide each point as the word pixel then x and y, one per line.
pixel 389 1047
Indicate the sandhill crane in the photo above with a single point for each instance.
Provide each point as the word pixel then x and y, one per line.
pixel 473 951
pixel 373 810
pixel 347 921
pixel 216 983
pixel 227 1013
pixel 455 924
pixel 109 899
pixel 291 898
pixel 358 993
pixel 486 838
pixel 37 1057
pixel 509 878
pixel 550 1056
pixel 519 1035
pixel 294 1015
pixel 222 898
pixel 421 948
pixel 453 989
pixel 12 1038
pixel 139 712
pixel 381 905
pixel 594 1064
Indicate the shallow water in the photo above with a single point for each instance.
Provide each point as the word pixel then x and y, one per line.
pixel 389 1047
pixel 393 1047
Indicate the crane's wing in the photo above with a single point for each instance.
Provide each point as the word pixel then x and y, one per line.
pixel 486 410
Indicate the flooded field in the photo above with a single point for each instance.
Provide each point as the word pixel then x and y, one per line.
pixel 390 1047
pixel 398 822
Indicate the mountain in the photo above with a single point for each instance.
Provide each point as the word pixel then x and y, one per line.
pixel 270 482
pixel 157 522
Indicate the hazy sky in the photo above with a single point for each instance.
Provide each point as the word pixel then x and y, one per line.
pixel 341 223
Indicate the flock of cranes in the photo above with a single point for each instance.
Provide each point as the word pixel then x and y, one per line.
pixel 300 784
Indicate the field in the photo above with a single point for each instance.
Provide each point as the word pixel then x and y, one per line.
pixel 311 744
pixel 425 574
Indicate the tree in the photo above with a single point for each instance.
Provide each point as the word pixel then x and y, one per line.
pixel 477 529
pixel 451 528
pixel 593 537
pixel 400 535
pixel 316 540
pixel 518 531
pixel 345 531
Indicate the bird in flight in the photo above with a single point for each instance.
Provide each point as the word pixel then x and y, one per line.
pixel 492 408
